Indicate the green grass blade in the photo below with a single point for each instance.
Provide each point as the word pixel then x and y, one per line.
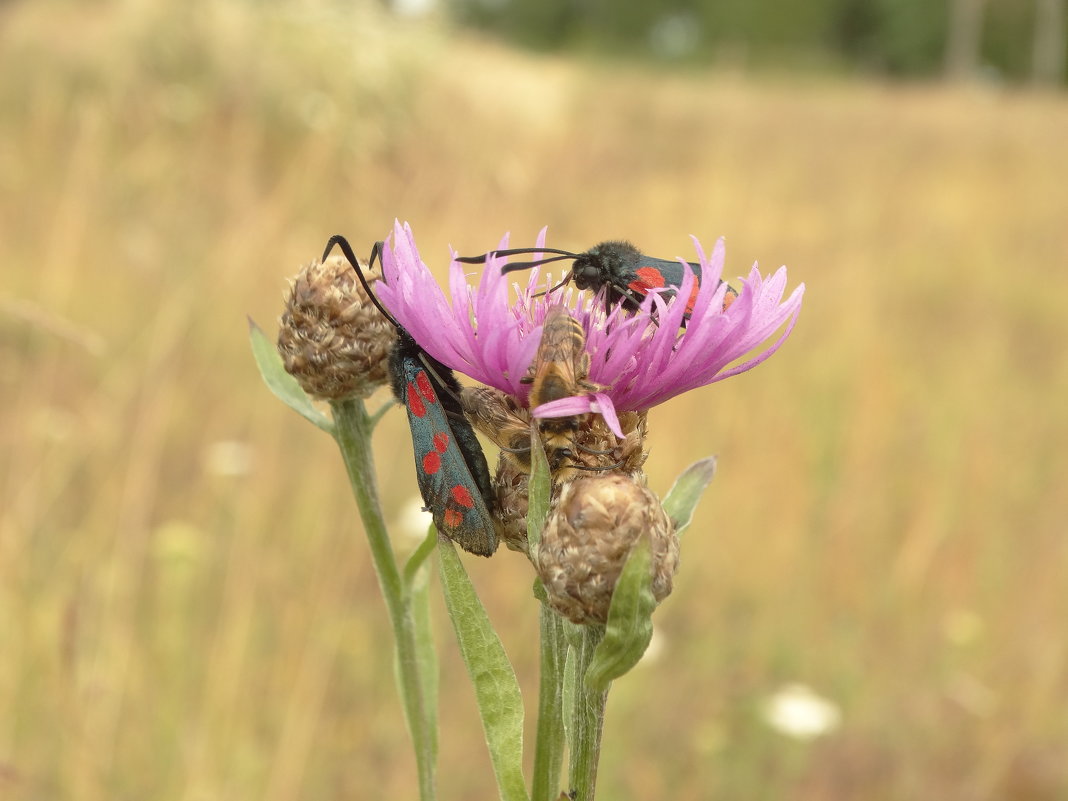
pixel 496 689
pixel 281 383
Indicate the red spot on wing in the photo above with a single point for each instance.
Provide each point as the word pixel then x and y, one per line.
pixel 648 278
pixel 693 297
pixel 432 463
pixel 426 389
pixel 462 496
pixel 415 403
pixel 729 298
pixel 452 518
pixel 441 441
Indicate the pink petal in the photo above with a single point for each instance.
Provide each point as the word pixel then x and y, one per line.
pixel 603 405
pixel 564 407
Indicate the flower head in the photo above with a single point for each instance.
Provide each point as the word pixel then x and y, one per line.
pixel 590 533
pixel 331 337
pixel 638 359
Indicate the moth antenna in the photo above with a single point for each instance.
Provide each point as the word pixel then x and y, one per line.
pixel 523 265
pixel 513 252
pixel 376 253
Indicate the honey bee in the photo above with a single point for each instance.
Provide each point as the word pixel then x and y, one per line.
pixel 560 370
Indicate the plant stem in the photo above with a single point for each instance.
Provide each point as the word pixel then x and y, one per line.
pixel 354 438
pixel 588 721
pixel 549 742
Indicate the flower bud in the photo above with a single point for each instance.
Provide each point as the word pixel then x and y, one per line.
pixel 332 338
pixel 588 536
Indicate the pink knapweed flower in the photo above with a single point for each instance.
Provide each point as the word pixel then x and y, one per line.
pixel 641 358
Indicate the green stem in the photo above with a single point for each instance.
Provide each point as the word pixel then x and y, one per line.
pixel 588 721
pixel 354 438
pixel 549 744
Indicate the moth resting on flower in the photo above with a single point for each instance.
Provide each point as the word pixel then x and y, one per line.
pixel 450 467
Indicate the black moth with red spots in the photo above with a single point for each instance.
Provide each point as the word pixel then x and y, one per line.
pixel 618 267
pixel 451 470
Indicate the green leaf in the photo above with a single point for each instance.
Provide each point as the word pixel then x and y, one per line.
pixel 538 491
pixel 496 689
pixel 281 383
pixel 630 624
pixel 419 556
pixel 684 494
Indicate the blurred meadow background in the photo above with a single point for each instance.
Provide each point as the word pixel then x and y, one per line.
pixel 187 606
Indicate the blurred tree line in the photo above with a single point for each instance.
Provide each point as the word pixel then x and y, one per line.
pixel 997 39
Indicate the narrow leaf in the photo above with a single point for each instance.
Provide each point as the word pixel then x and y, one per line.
pixel 684 494
pixel 496 689
pixel 630 624
pixel 281 383
pixel 419 556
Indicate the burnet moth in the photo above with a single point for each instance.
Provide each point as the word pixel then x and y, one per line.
pixel 618 267
pixel 452 472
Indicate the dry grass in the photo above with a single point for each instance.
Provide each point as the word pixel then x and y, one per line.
pixel 886 526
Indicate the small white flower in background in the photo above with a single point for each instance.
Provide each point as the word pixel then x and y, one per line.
pixel 228 457
pixel 413 521
pixel 796 711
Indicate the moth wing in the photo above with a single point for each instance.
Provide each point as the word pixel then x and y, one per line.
pixel 446 481
pixel 653 273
